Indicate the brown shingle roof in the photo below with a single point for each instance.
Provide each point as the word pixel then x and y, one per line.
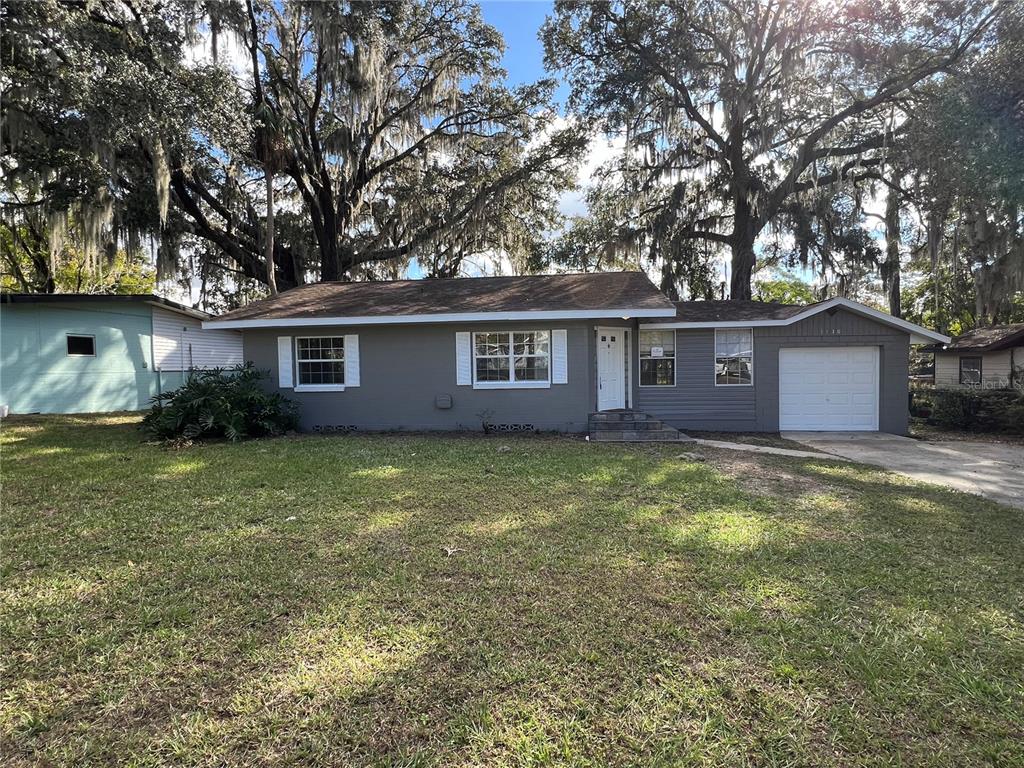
pixel 995 337
pixel 726 311
pixel 596 292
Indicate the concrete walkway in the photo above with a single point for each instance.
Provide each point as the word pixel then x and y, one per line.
pixel 992 470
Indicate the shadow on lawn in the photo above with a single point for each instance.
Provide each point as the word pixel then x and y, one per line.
pixel 435 601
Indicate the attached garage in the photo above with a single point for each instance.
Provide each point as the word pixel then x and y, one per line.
pixel 835 366
pixel 832 389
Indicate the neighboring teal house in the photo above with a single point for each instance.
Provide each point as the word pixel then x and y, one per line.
pixel 85 353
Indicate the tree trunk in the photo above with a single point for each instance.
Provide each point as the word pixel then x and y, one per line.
pixel 743 261
pixel 891 268
pixel 330 259
pixel 44 276
pixel 744 233
pixel 269 244
pixel 669 285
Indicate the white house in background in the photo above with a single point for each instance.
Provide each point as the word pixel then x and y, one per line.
pixel 987 358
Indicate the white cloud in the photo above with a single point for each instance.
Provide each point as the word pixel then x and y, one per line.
pixel 600 150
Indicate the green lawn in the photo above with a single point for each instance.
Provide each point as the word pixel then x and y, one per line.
pixel 448 601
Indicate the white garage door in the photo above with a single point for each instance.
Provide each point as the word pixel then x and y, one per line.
pixel 831 389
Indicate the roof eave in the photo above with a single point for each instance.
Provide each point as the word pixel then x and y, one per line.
pixel 1014 340
pixel 626 313
pixel 918 334
pixel 88 298
pixel 175 307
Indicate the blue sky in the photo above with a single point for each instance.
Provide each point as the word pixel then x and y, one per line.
pixel 519 21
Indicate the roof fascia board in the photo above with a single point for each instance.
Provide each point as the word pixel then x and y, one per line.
pixel 718 324
pixel 918 334
pixel 94 298
pixel 450 317
pixel 172 307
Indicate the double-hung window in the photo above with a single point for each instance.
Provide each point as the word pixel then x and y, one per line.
pixel 320 361
pixel 970 371
pixel 734 356
pixel 511 359
pixel 657 358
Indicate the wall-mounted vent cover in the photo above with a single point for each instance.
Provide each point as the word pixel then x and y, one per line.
pixel 444 402
pixel 513 428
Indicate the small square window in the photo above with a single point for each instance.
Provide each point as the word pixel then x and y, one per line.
pixel 970 371
pixel 81 346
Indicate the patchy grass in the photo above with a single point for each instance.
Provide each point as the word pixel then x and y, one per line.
pixel 767 439
pixel 379 600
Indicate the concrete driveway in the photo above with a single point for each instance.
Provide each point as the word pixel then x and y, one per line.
pixel 992 470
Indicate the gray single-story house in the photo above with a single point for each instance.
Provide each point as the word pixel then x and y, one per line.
pixel 557 352
pixel 985 358
pixel 88 353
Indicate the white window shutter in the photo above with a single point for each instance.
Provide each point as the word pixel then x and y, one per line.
pixel 351 360
pixel 463 359
pixel 285 378
pixel 559 357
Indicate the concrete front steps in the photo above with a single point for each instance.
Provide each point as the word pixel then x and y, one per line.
pixel 632 427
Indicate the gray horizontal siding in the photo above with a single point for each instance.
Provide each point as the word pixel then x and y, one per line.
pixel 696 403
pixel 404 368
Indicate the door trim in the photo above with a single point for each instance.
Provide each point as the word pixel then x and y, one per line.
pixel 624 345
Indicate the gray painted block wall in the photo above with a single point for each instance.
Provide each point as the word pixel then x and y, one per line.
pixel 696 403
pixel 404 368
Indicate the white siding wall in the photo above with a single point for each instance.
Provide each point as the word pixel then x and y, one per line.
pixel 180 343
pixel 994 365
pixel 947 369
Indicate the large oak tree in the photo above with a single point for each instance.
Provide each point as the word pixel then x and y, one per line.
pixel 735 109
pixel 966 146
pixel 376 131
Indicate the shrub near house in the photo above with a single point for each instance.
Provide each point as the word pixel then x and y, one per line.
pixel 979 410
pixel 221 403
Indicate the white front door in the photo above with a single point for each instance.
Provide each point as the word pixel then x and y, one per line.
pixel 611 368
pixel 830 389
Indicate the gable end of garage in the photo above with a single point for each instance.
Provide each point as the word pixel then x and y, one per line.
pixel 835 331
